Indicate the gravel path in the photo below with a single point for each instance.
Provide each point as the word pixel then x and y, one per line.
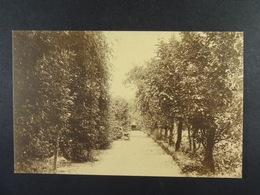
pixel 139 156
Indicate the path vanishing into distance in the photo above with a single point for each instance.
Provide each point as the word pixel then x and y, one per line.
pixel 139 156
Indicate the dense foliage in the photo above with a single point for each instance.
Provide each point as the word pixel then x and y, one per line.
pixel 196 83
pixel 119 117
pixel 60 94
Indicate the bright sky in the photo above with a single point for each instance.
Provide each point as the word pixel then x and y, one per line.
pixel 130 48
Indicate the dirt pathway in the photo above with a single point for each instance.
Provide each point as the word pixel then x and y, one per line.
pixel 140 156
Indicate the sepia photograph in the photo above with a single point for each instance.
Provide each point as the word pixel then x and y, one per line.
pixel 128 103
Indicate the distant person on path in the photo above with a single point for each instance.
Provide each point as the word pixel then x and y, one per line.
pixel 133 125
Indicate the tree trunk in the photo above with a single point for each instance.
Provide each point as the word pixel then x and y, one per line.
pixel 166 133
pixel 189 136
pixel 56 153
pixel 89 154
pixel 171 135
pixel 179 132
pixel 160 135
pixel 194 134
pixel 156 131
pixel 208 161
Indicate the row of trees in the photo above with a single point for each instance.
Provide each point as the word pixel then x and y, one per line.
pixel 119 117
pixel 195 80
pixel 61 100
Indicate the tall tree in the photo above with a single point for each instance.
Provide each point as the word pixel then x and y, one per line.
pixel 60 94
pixel 195 80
